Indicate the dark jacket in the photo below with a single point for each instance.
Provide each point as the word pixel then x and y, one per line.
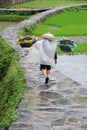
pixel 55 56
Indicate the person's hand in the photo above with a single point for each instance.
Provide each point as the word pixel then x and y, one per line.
pixel 55 61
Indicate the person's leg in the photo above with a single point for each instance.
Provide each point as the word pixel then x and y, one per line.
pixel 43 70
pixel 47 76
pixel 48 68
pixel 46 71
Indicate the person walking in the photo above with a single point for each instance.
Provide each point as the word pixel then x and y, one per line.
pixel 47 68
pixel 44 53
pixel 48 38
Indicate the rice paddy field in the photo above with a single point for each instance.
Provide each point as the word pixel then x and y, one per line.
pixel 34 4
pixel 71 22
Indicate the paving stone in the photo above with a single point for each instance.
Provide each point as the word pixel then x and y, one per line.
pixel 58 122
pixel 51 95
pixel 42 127
pixel 78 113
pixel 51 110
pixel 20 125
pixel 84 119
pixel 80 99
pixel 64 127
pixel 62 101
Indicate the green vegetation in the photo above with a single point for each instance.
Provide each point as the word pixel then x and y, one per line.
pixel 12 84
pixel 81 48
pixel 71 22
pixel 15 15
pixel 12 18
pixel 19 15
pixel 47 3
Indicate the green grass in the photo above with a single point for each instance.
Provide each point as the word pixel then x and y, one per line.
pixel 47 3
pixel 12 84
pixel 15 15
pixel 81 48
pixel 68 23
pixel 13 18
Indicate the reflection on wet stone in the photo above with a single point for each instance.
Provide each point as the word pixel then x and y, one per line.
pixel 21 125
pixel 42 127
pixel 77 113
pixel 62 85
pixel 62 101
pixel 80 99
pixel 39 120
pixel 50 95
pixel 25 111
pixel 58 122
pixel 51 110
pixel 24 118
pixel 43 87
pixel 64 127
pixel 66 92
pixel 84 127
pixel 84 119
pixel 83 91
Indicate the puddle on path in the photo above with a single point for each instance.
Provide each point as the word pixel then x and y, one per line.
pixel 74 67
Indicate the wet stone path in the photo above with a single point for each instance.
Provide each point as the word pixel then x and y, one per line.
pixel 60 105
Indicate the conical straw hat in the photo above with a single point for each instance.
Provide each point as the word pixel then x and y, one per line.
pixel 48 36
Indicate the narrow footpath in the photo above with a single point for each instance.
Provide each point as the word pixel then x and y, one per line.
pixel 60 105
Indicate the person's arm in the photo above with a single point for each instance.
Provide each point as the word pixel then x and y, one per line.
pixel 55 58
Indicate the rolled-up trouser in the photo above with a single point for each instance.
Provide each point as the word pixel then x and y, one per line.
pixel 47 67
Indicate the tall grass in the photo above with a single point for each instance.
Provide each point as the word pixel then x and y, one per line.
pixel 12 85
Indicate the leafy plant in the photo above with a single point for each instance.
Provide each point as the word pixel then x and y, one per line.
pixel 12 85
pixel 5 58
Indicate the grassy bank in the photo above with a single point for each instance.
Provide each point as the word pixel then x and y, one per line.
pixel 12 84
pixel 15 15
pixel 15 18
pixel 47 3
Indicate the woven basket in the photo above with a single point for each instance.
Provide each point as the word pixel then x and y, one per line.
pixel 67 47
pixel 26 41
pixel 66 44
